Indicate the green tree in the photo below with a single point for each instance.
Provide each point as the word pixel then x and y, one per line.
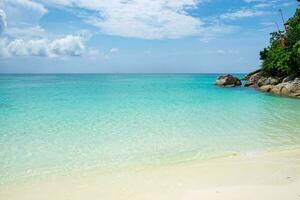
pixel 279 61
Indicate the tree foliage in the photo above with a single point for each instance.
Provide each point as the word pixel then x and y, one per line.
pixel 279 61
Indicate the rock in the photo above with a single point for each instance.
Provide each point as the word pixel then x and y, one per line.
pixel 262 81
pixel 277 89
pixel 249 84
pixel 289 78
pixel 228 81
pixel 251 74
pixel 266 88
pixel 273 81
pixel 267 81
pixel 286 86
pixel 253 78
pixel 291 88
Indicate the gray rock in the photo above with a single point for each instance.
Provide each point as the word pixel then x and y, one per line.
pixel 262 81
pixel 273 81
pixel 228 81
pixel 267 81
pixel 289 78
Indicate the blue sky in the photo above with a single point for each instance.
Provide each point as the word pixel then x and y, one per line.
pixel 136 36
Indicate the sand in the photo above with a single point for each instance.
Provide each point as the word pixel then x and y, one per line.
pixel 273 175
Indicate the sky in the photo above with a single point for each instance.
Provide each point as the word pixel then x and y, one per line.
pixel 136 36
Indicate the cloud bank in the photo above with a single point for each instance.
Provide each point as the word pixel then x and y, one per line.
pixel 66 46
pixel 24 36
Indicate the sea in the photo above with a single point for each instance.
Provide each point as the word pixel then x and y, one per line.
pixel 68 123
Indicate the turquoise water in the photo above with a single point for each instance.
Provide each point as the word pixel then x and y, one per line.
pixel 63 123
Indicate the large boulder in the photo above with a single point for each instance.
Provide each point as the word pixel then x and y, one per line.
pixel 228 80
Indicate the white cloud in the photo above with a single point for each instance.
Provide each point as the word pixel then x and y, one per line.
pixel 262 5
pixel 25 37
pixel 250 1
pixel 146 19
pixel 66 46
pixel 69 45
pixel 28 4
pixel 22 13
pixel 3 52
pixel 229 51
pixel 216 29
pixel 243 13
pixel 19 47
pixel 114 50
pixel 2 21
pixel 287 4
pixel 26 32
pixel 22 19
pixel 267 23
pixel 93 53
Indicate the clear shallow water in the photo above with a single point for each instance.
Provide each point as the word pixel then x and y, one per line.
pixel 63 123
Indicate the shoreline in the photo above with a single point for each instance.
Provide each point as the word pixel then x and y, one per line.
pixel 175 161
pixel 265 175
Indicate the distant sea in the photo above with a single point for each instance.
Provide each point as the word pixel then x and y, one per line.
pixel 59 124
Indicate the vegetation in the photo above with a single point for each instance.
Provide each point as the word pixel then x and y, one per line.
pixel 283 61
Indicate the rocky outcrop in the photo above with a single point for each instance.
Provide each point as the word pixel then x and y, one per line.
pixel 286 86
pixel 228 81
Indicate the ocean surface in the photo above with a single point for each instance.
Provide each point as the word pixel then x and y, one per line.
pixel 59 124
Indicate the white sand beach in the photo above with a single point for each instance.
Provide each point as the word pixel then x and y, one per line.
pixel 266 176
pixel 149 100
